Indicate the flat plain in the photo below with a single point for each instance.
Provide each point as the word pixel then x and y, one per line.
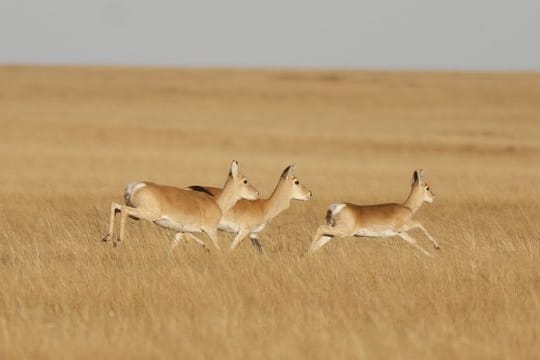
pixel 71 138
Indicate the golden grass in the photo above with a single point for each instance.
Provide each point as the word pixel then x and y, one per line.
pixel 70 139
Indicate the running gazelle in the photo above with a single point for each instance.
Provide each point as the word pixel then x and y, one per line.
pixel 250 217
pixel 382 220
pixel 181 210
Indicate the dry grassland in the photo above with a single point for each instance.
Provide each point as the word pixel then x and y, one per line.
pixel 71 138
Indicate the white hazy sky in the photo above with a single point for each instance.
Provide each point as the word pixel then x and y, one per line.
pixel 383 34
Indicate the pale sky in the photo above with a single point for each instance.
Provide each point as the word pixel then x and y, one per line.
pixel 407 34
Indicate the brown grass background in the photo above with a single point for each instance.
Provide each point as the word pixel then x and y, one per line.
pixel 71 138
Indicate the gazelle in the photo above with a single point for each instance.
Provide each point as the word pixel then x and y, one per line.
pixel 382 220
pixel 252 216
pixel 181 210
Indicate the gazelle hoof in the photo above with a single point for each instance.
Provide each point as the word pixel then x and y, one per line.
pixel 437 247
pixel 106 238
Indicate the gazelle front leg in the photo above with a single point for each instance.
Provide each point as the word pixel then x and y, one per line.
pixel 212 234
pixel 180 236
pixel 115 208
pixel 417 225
pixel 197 240
pixel 239 237
pixel 413 242
pixel 255 241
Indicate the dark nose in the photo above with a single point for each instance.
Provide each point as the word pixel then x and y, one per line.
pixel 310 194
pixel 258 193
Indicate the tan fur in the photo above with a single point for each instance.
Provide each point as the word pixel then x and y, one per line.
pixel 251 216
pixel 179 209
pixel 347 219
pixel 155 200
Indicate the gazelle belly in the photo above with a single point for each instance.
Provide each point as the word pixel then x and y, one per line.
pixel 371 233
pixel 168 223
pixel 228 226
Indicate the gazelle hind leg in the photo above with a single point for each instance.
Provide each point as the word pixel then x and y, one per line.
pixel 413 242
pixel 124 213
pixel 177 238
pixel 320 243
pixel 115 208
pixel 323 235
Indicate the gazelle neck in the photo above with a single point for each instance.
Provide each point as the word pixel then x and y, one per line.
pixel 415 199
pixel 227 197
pixel 277 202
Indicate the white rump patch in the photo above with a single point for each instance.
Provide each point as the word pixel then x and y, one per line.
pixel 336 208
pixel 131 189
pixel 134 186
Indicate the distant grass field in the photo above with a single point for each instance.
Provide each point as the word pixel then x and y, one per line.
pixel 71 138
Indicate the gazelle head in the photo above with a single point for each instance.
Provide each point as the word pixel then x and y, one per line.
pixel 420 185
pixel 297 190
pixel 240 184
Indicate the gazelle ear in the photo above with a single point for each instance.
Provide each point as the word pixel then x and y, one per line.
pixel 234 169
pixel 415 177
pixel 418 176
pixel 288 171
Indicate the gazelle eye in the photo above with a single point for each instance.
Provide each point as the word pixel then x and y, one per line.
pixel 245 181
pixel 296 182
pixel 427 188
